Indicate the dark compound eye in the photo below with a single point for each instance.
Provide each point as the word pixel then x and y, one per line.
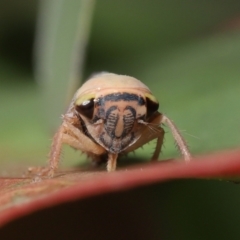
pixel 86 108
pixel 152 106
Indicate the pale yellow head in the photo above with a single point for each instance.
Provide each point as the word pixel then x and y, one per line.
pixel 111 106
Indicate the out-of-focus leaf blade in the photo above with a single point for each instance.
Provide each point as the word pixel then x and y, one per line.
pixel 61 39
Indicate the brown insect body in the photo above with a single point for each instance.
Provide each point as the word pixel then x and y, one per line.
pixel 110 115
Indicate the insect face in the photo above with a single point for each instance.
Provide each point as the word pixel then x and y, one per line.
pixel 112 119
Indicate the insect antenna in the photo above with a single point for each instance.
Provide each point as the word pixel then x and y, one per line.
pixel 153 127
pixel 184 132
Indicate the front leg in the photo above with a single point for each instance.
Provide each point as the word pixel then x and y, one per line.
pixel 158 147
pixel 181 144
pixel 153 130
pixel 54 157
pixel 72 136
pixel 112 162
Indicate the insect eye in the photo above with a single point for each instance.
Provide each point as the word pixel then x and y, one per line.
pixel 152 106
pixel 86 108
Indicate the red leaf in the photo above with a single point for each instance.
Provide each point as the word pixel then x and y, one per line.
pixel 19 197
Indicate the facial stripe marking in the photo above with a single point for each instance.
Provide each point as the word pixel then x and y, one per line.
pixel 118 112
pixel 118 125
pixel 128 119
pixel 115 97
pixel 111 120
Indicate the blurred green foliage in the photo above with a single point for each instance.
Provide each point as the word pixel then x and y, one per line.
pixel 187 52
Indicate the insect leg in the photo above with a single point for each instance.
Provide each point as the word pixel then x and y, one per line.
pixel 77 139
pixel 112 162
pixel 158 147
pixel 72 136
pixel 54 156
pixel 181 144
pixel 55 152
